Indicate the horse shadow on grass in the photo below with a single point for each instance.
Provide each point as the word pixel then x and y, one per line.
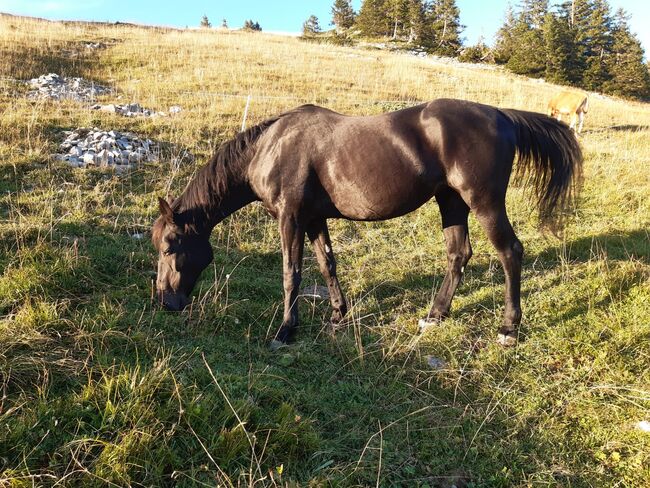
pixel 631 245
pixel 618 128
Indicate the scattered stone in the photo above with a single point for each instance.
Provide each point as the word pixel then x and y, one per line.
pixel 55 87
pixel 84 148
pixel 436 363
pixel 316 291
pixel 94 45
pixel 135 110
pixel 417 53
pixel 643 426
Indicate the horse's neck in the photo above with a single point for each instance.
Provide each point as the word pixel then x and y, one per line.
pixel 203 216
pixel 236 197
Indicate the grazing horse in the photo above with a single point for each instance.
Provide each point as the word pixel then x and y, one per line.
pixel 571 104
pixel 311 164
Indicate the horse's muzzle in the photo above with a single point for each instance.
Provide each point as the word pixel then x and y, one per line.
pixel 173 302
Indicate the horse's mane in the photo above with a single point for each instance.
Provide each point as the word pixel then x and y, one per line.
pixel 226 167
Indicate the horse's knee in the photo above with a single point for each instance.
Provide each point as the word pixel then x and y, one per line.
pixel 459 258
pixel 514 252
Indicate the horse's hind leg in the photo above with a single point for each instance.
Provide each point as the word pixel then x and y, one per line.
pixel 454 212
pixel 495 221
pixel 292 236
pixel 581 117
pixel 320 239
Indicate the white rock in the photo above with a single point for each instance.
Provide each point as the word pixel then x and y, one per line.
pixel 436 363
pixel 643 426
pixel 89 158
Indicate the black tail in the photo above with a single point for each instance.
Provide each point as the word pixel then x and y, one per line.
pixel 550 155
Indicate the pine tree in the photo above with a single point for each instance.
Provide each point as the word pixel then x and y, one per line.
pixel 205 23
pixel 629 74
pixel 528 55
pixel 252 26
pixel 599 37
pixel 373 18
pixel 415 19
pixel 534 13
pixel 505 38
pixel 560 51
pixel 342 15
pixel 398 13
pixel 445 27
pixel 311 26
pixel 478 53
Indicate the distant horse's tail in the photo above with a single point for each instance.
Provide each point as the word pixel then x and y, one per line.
pixel 550 155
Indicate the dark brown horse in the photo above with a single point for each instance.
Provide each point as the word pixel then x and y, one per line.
pixel 312 164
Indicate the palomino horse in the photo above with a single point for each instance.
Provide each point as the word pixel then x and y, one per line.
pixel 571 104
pixel 312 164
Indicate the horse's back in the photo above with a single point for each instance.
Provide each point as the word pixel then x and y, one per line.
pixel 381 166
pixel 568 102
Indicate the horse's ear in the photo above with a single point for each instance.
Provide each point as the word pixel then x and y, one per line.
pixel 165 210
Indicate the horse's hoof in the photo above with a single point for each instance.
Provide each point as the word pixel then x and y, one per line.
pixel 276 345
pixel 507 338
pixel 424 324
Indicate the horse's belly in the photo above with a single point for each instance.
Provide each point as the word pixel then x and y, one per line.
pixel 375 200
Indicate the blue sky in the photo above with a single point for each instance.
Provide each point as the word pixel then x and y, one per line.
pixel 481 17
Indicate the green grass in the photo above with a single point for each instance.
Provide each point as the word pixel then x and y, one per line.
pixel 101 388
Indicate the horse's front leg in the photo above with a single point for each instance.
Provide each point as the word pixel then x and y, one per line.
pixel 292 236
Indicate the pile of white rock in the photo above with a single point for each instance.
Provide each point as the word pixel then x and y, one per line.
pixel 84 148
pixel 56 87
pixel 134 110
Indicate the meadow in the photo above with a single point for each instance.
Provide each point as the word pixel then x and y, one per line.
pixel 102 388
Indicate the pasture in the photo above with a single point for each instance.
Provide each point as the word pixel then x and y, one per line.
pixel 100 387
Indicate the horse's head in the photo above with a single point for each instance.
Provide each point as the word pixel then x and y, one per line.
pixel 182 255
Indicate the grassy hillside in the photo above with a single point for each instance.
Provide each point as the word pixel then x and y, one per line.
pixel 99 387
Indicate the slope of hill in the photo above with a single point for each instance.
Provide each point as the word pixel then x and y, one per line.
pixel 100 387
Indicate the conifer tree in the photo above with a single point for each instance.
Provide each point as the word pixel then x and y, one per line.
pixel 599 37
pixel 398 13
pixel 505 38
pixel 205 23
pixel 528 55
pixel 415 19
pixel 311 26
pixel 373 18
pixel 629 74
pixel 560 51
pixel 342 15
pixel 445 27
pixel 252 26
